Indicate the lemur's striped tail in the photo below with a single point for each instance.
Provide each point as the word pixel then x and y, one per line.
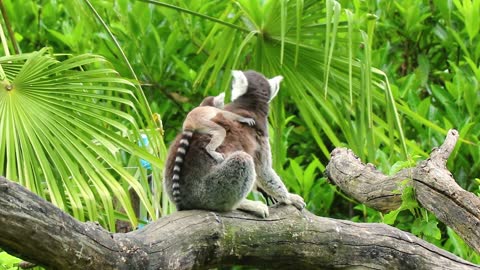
pixel 179 158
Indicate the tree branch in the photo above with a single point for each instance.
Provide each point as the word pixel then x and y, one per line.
pixel 435 188
pixel 37 231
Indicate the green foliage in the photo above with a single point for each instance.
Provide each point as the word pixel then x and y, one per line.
pixel 431 52
pixel 417 220
pixel 477 182
pixel 335 56
pixel 64 129
pixel 8 262
pixel 408 203
pixel 457 246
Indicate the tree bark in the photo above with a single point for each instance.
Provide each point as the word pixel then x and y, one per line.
pixel 435 188
pixel 35 230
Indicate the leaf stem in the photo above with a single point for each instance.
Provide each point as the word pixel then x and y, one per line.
pixel 231 25
pixel 3 77
pixel 117 44
pixel 16 48
pixel 4 41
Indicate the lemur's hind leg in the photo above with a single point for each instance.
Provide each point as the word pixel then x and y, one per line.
pixel 218 135
pixel 228 183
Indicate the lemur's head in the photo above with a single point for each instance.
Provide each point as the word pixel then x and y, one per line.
pixel 254 86
pixel 216 101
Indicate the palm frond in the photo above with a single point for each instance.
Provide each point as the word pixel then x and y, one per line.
pixel 64 131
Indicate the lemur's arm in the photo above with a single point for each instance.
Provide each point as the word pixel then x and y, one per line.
pixel 269 180
pixel 219 102
pixel 235 117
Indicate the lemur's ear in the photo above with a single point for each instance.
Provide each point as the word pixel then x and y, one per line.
pixel 219 101
pixel 239 84
pixel 274 86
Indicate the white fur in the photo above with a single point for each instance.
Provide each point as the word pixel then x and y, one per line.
pixel 219 101
pixel 239 84
pixel 274 86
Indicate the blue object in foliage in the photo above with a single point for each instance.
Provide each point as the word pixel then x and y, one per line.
pixel 144 142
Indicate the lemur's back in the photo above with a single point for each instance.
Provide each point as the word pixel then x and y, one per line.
pixel 198 163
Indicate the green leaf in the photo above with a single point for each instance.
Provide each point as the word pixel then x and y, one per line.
pixel 408 203
pixel 63 129
pixel 390 217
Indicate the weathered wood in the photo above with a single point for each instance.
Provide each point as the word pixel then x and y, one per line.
pixel 37 231
pixel 363 182
pixel 288 239
pixel 435 188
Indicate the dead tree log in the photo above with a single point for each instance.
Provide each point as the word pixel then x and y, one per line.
pixel 434 185
pixel 35 230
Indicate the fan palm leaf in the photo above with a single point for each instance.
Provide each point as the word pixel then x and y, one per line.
pixel 64 134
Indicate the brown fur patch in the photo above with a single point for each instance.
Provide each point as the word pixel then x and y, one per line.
pixel 240 137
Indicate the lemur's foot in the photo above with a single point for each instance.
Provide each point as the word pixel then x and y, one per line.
pixel 257 208
pixel 248 121
pixel 219 158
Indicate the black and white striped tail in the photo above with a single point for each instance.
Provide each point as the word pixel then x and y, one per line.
pixel 179 157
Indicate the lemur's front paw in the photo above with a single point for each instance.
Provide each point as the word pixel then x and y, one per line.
pixel 297 201
pixel 294 200
pixel 248 121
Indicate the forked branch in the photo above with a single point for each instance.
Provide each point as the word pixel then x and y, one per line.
pixel 434 185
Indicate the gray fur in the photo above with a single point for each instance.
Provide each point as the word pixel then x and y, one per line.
pixel 205 184
pixel 199 120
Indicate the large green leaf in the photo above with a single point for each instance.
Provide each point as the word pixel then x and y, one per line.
pixel 64 133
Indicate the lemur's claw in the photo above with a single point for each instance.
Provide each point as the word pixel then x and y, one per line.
pixel 297 201
pixel 248 121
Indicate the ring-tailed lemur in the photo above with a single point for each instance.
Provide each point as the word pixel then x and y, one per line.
pixel 206 184
pixel 200 120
